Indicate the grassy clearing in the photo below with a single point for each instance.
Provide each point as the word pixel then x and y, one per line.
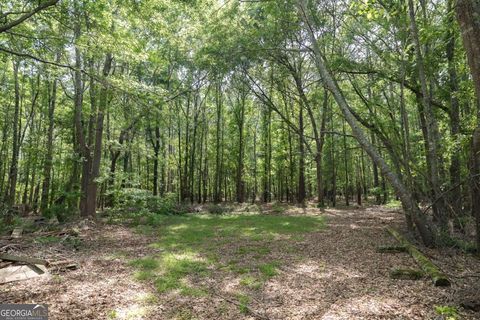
pixel 191 249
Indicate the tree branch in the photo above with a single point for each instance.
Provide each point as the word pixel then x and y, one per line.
pixel 27 15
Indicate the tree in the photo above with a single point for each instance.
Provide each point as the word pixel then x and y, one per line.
pixel 468 15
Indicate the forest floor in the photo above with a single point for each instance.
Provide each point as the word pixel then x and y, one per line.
pixel 284 263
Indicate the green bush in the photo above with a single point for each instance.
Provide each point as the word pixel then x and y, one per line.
pixel 61 211
pixel 64 207
pixel 139 202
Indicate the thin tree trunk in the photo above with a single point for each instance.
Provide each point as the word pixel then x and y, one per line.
pixel 301 160
pixel 345 164
pixel 13 173
pixel 48 162
pixel 218 174
pixel 431 125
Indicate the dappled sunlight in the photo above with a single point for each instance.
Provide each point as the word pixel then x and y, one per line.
pixel 219 267
pixel 321 270
pixel 367 307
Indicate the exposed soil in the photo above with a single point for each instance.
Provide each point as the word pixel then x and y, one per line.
pixel 335 273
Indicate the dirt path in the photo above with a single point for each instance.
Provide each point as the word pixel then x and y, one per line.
pixel 333 273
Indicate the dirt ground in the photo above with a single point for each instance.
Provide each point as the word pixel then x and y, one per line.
pixel 332 273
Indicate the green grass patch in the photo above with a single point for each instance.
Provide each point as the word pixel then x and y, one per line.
pixel 113 314
pixel 48 239
pixel 168 272
pixel 193 292
pixel 243 300
pixel 251 282
pixel 448 312
pixel 189 246
pixel 394 204
pixel 185 232
pixel 269 270
pixel 145 264
pixel 147 299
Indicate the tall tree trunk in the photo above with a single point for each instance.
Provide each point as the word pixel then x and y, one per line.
pixel 318 136
pixel 431 125
pixel 345 165
pixel 468 16
pixel 301 160
pixel 91 198
pixel 409 205
pixel 48 162
pixel 156 152
pixel 455 165
pixel 13 173
pixel 78 106
pixel 240 184
pixel 218 147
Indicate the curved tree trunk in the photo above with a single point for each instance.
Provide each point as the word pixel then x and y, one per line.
pixel 409 205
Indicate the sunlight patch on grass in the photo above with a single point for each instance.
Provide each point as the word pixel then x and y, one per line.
pixel 147 298
pixel 145 264
pixel 143 275
pixel 189 245
pixel 394 204
pixel 251 282
pixel 185 232
pixel 168 271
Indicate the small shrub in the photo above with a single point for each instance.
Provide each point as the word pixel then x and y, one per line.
pixel 243 300
pixel 448 312
pixel 215 209
pixel 278 208
pixel 144 208
pixel 62 211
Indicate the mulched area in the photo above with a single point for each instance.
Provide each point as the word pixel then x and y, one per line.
pixel 334 273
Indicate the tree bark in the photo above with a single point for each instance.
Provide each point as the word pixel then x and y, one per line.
pixel 301 160
pixel 240 119
pixel 48 162
pixel 13 173
pixel 468 16
pixel 217 192
pixel 91 197
pixel 455 165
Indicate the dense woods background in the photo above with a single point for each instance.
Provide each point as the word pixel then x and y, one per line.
pixel 110 103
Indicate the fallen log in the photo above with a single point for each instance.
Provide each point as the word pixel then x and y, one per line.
pixel 391 249
pixel 28 260
pixel 63 265
pixel 438 277
pixel 406 274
